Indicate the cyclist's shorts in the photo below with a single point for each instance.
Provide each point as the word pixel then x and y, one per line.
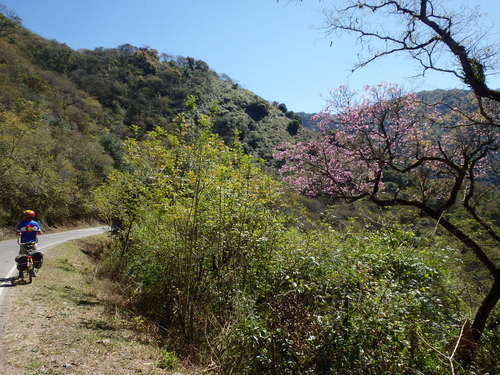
pixel 23 247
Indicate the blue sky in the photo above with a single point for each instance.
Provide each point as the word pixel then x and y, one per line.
pixel 276 49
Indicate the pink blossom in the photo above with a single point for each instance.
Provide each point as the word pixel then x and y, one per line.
pixel 384 133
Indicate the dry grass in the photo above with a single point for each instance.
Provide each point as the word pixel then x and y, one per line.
pixel 69 322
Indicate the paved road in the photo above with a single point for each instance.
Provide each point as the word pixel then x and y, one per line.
pixel 9 249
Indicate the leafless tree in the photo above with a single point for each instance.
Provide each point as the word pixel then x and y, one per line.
pixel 426 31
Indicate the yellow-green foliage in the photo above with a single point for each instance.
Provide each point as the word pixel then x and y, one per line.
pixel 191 215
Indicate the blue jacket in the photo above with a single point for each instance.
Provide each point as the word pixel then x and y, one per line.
pixel 29 230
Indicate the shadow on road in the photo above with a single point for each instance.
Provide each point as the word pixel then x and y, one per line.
pixel 7 280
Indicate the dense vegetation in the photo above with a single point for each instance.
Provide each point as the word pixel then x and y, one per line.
pixel 206 246
pixel 230 265
pixel 64 114
pixel 395 151
pixel 51 153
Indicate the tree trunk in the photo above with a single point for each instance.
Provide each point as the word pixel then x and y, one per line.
pixel 471 337
pixel 489 302
pixel 485 309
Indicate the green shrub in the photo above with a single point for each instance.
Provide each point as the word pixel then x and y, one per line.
pixel 168 360
pixel 194 219
pixel 355 303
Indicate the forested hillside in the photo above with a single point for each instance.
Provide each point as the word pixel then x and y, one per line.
pixel 51 138
pixel 54 98
pixel 65 113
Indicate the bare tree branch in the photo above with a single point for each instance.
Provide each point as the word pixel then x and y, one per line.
pixel 426 32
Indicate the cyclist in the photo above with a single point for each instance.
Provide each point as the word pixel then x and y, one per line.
pixel 28 229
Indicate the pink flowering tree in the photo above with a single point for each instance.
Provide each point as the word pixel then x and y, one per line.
pixel 391 149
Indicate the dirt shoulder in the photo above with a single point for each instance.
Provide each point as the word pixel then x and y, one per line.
pixel 68 321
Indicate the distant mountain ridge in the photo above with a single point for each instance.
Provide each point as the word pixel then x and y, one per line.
pixel 307 120
pixel 139 86
pixel 448 98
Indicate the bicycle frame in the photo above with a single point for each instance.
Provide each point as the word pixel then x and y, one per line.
pixel 30 247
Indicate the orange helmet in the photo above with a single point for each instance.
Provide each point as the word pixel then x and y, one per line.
pixel 29 213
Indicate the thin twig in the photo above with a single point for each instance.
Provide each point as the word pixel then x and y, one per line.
pixel 430 346
pixel 450 359
pixel 457 344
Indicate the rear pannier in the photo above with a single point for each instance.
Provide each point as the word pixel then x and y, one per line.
pixel 37 259
pixel 22 261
